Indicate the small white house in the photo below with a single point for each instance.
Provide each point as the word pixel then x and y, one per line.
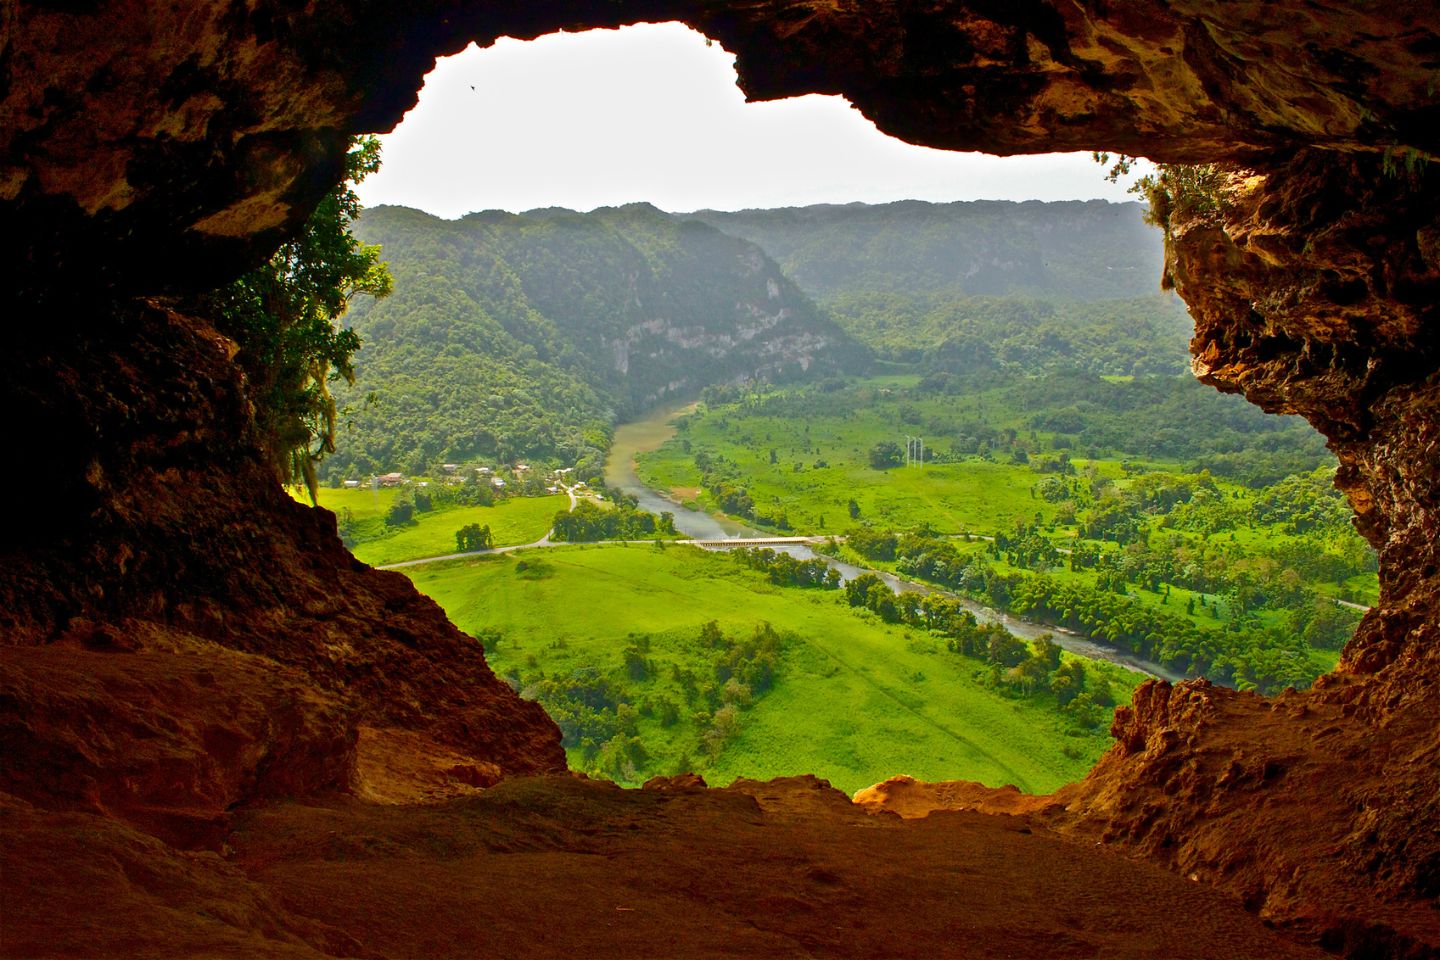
pixel 497 483
pixel 351 484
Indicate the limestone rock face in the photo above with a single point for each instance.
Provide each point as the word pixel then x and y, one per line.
pixel 182 642
pixel 181 637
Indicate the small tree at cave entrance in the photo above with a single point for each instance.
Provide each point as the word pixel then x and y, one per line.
pixel 283 316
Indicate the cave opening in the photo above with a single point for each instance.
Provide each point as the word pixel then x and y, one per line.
pixel 498 129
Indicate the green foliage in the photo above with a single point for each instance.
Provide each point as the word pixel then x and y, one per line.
pixel 787 571
pixel 1187 192
pixel 1175 190
pixel 1136 531
pixel 886 454
pixel 283 315
pixel 589 522
pixel 473 536
pixel 830 690
pixel 526 337
pixel 973 286
pixel 957 337
pixel 512 521
pixel 971 482
pixel 1077 250
pixel 870 543
pixel 402 511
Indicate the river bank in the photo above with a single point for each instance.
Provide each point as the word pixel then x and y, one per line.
pixel 650 432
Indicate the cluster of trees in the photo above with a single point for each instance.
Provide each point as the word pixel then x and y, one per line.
pixel 599 716
pixel 1305 503
pixel 1046 419
pixel 283 315
pixel 1281 576
pixel 1159 418
pixel 718 478
pixel 405 505
pixel 886 454
pixel 872 542
pixel 473 536
pixel 590 522
pixel 787 571
pixel 589 709
pixel 956 338
pixel 1013 662
pixel 1242 653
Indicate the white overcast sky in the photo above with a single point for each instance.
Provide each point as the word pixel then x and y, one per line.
pixel 607 117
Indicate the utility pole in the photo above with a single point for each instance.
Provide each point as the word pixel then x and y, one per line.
pixel 914 451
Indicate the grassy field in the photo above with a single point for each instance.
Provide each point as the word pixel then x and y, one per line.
pixel 807 455
pixel 856 700
pixel 512 522
pixel 822 463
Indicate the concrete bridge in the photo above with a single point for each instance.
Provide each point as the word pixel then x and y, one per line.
pixel 754 541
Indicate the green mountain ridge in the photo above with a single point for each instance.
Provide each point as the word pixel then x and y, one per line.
pixel 1082 250
pixel 983 285
pixel 530 335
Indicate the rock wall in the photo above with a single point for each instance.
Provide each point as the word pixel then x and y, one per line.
pixel 180 636
pixel 181 640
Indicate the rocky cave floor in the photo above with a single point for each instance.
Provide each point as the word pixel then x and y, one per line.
pixel 563 867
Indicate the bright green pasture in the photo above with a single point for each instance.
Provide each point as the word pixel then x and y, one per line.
pixel 512 522
pixel 974 495
pixel 856 700
pixel 363 503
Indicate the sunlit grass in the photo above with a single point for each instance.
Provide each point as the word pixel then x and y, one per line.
pixel 857 701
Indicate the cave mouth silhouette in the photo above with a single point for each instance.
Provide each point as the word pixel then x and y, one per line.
pixel 437 119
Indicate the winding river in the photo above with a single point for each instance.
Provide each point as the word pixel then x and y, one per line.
pixel 642 436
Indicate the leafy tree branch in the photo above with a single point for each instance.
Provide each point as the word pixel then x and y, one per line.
pixel 283 317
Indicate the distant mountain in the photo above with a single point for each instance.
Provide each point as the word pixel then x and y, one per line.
pixel 529 335
pixel 1074 250
pixel 983 285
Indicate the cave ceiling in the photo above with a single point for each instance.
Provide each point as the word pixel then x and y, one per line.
pixel 188 138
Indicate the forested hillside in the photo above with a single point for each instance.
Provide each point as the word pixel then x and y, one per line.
pixel 527 336
pixel 1074 250
pixel 985 284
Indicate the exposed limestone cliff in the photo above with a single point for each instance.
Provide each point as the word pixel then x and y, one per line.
pixel 182 643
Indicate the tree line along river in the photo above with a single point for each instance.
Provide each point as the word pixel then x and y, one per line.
pixel 641 436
